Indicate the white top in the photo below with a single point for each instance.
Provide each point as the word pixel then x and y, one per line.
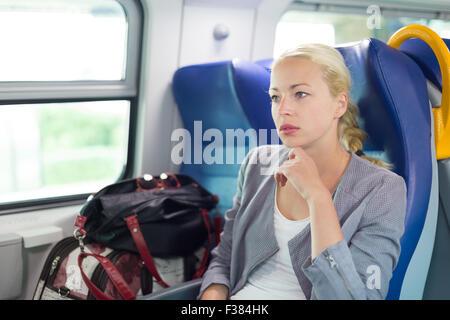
pixel 274 279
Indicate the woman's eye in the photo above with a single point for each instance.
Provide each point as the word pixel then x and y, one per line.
pixel 301 94
pixel 274 98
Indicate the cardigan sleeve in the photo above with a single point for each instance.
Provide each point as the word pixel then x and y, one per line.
pixel 219 268
pixel 361 267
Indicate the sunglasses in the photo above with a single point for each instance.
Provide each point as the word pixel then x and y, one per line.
pixel 166 180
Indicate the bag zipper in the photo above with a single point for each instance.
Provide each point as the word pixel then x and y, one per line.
pixel 64 252
pixel 334 265
pixel 59 252
pixel 50 265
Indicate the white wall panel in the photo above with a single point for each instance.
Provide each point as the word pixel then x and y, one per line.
pixel 156 106
pixel 198 44
pixel 268 14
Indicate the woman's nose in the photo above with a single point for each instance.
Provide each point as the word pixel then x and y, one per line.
pixel 285 107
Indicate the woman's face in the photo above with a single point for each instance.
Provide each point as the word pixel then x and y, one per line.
pixel 303 109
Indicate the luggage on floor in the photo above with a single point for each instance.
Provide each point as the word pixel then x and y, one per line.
pixel 133 237
pixel 61 277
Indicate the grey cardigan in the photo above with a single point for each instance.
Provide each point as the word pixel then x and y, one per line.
pixel 370 202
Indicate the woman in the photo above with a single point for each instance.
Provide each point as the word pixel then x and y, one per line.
pixel 327 223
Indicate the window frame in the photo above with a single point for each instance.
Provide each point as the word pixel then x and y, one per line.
pixel 386 9
pixel 390 10
pixel 37 92
pixel 352 7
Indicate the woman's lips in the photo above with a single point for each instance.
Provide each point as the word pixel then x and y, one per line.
pixel 288 129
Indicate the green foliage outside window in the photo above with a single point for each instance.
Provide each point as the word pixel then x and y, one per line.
pixel 79 145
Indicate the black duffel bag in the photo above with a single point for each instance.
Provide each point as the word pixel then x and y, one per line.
pixel 163 216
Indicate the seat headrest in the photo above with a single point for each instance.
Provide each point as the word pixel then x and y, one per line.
pixel 424 56
pixel 252 82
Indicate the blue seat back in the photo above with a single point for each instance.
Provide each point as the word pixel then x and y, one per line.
pixel 390 90
pixel 222 97
pixel 434 246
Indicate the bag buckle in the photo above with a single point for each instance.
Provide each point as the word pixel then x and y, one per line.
pixel 79 236
pixel 132 222
pixel 80 233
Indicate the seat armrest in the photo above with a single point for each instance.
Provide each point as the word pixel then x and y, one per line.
pixel 185 291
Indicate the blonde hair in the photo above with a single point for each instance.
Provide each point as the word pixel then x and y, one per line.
pixel 338 79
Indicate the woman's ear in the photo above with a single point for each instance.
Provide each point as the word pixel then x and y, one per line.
pixel 341 103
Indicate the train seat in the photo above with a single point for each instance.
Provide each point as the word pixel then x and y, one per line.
pixel 218 102
pixel 398 126
pixel 435 240
pixel 423 55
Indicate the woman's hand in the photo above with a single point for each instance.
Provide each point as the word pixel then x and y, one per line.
pixel 215 292
pixel 301 170
pixel 302 173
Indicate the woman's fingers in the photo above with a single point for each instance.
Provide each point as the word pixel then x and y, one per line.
pixel 283 180
pixel 294 155
pixel 296 152
pixel 280 178
pixel 277 177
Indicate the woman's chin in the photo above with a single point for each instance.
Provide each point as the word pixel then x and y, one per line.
pixel 291 144
pixel 294 143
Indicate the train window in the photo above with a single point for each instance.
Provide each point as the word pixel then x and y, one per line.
pixel 333 24
pixel 58 149
pixel 62 40
pixel 68 98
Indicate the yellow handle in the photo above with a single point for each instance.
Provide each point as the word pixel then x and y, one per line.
pixel 441 114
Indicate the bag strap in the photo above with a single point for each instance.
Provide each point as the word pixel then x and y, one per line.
pixel 218 222
pixel 141 245
pixel 201 269
pixel 113 274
